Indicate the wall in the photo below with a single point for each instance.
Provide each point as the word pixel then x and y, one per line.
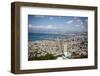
pixel 5 33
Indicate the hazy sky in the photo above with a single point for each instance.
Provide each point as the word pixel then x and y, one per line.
pixel 42 24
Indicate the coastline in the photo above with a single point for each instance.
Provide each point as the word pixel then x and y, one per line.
pixel 74 47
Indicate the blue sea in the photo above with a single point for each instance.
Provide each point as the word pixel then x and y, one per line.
pixel 42 36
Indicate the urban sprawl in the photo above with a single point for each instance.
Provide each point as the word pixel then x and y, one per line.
pixel 68 48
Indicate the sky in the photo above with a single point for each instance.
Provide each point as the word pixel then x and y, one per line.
pixel 56 24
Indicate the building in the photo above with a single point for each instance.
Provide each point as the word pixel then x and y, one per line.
pixel 74 47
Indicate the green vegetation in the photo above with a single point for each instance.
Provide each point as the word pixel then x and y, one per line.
pixel 83 56
pixel 77 55
pixel 46 57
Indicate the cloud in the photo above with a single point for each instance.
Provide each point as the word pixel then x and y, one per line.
pixel 82 27
pixel 77 25
pixel 69 22
pixel 81 23
pixel 51 18
pixel 50 26
pixel 42 27
pixel 30 26
pixel 78 20
pixel 86 20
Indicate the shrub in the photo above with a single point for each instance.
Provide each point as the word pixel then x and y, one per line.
pixel 46 57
